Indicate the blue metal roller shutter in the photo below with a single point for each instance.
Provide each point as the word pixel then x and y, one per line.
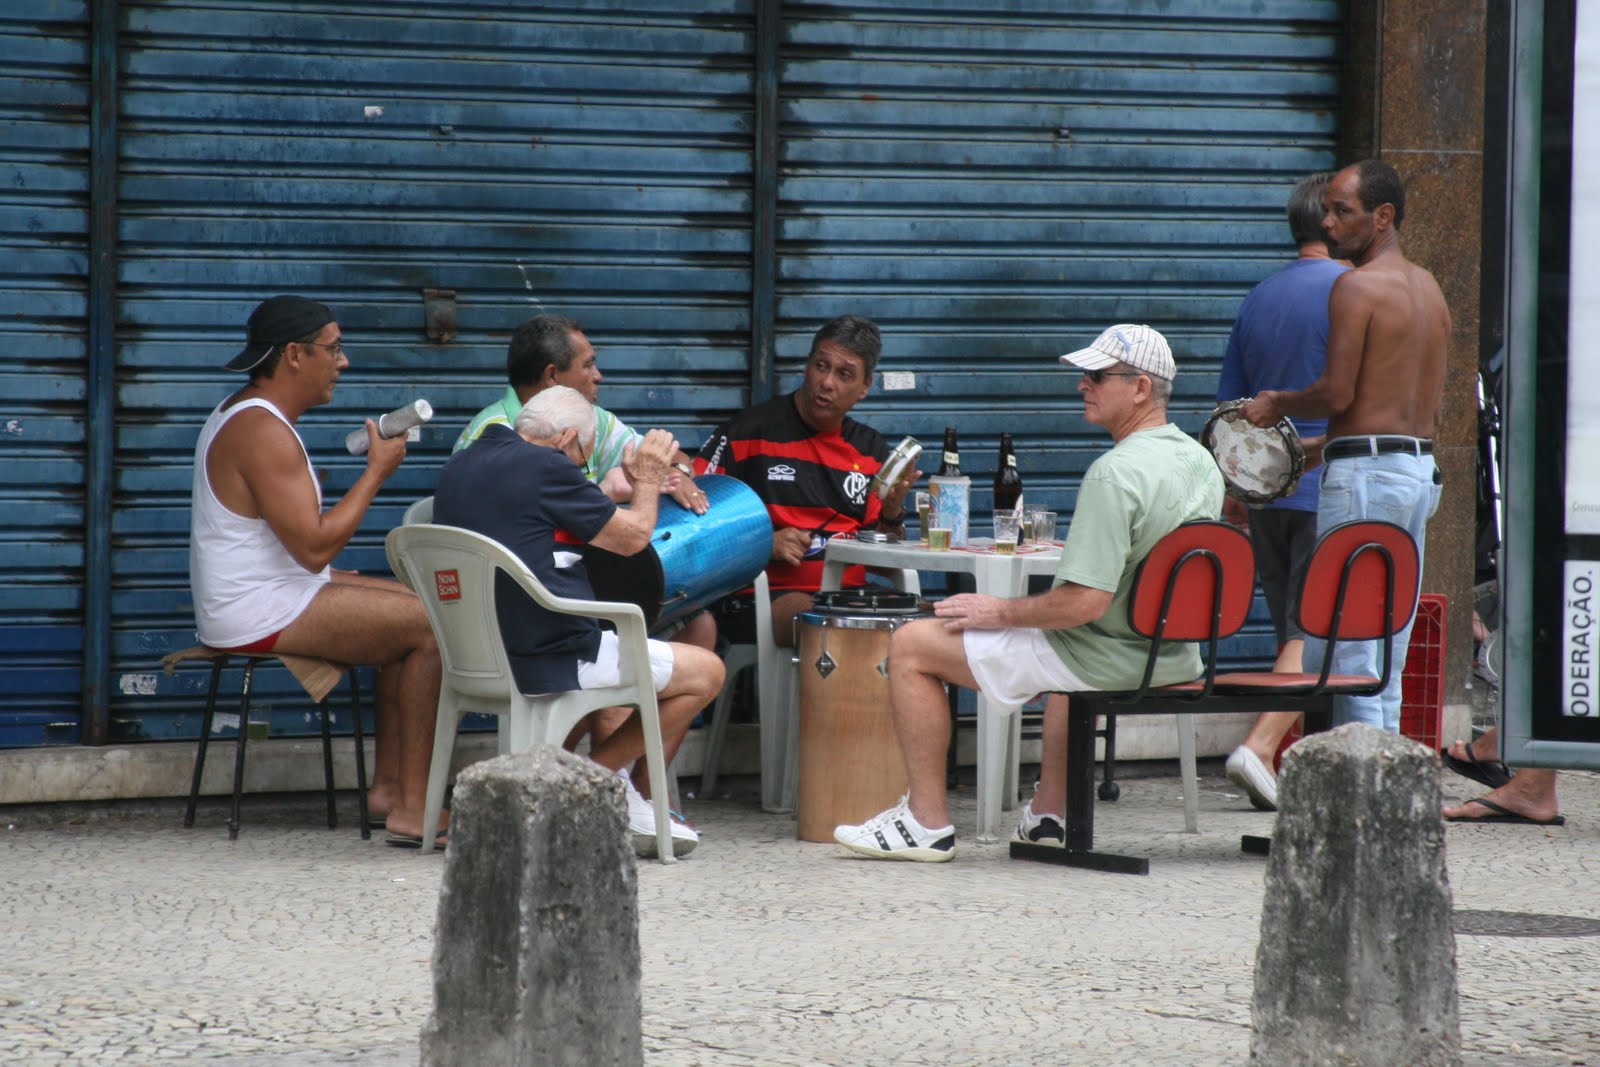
pixel 588 159
pixel 44 217
pixel 996 186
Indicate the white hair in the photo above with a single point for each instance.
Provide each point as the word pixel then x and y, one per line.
pixel 555 410
pixel 1160 388
pixel 1160 391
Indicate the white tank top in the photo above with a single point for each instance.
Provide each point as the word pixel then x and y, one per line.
pixel 246 585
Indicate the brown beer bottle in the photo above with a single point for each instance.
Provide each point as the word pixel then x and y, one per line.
pixel 950 462
pixel 1007 479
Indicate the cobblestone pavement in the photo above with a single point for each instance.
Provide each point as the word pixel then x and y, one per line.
pixel 128 938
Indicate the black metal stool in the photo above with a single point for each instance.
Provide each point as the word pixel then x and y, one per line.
pixel 219 660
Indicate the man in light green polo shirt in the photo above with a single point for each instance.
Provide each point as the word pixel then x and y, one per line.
pixel 1074 638
pixel 552 350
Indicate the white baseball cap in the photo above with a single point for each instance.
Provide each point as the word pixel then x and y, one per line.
pixel 1138 346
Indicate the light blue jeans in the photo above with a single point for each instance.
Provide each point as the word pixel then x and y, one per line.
pixel 1395 487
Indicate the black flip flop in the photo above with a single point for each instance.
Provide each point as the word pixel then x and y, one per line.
pixel 1504 815
pixel 1491 773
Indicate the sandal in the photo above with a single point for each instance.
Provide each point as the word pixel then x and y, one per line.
pixel 1491 773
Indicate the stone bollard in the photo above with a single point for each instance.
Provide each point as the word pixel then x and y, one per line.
pixel 536 950
pixel 1356 963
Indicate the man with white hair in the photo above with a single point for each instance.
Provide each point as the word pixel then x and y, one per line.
pixel 1074 638
pixel 525 488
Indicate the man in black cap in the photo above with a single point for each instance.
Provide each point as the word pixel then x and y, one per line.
pixel 260 547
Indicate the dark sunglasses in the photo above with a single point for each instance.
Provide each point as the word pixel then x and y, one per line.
pixel 1098 376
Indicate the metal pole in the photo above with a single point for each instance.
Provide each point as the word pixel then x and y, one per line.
pixel 99 421
pixel 764 205
pixel 1519 393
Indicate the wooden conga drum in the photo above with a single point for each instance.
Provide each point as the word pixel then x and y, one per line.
pixel 850 765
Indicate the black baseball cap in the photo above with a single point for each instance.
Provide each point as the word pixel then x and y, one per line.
pixel 276 322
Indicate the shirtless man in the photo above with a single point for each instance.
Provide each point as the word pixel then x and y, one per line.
pixel 261 545
pixel 1382 390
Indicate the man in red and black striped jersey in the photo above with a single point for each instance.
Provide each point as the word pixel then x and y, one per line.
pixel 810 463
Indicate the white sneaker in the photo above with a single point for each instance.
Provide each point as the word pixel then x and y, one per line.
pixel 642 825
pixel 1040 829
pixel 1246 771
pixel 897 835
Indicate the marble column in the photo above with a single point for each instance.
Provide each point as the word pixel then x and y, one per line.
pixel 1414 97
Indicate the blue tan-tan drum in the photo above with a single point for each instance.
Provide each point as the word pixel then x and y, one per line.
pixel 692 560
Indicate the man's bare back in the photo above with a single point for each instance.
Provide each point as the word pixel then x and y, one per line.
pixel 1388 330
pixel 1388 319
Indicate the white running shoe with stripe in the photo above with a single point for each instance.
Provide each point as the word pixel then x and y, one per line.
pixel 897 835
pixel 642 825
pixel 1040 829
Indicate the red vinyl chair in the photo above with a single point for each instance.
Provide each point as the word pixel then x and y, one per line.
pixel 1195 605
pixel 1360 585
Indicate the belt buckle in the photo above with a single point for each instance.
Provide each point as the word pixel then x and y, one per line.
pixel 1366 445
pixel 1405 446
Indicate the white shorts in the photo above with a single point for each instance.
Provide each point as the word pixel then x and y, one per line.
pixel 1014 666
pixel 606 668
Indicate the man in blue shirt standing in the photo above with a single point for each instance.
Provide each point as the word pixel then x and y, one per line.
pixel 1279 341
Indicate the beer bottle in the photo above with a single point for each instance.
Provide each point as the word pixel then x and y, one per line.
pixel 1007 479
pixel 950 464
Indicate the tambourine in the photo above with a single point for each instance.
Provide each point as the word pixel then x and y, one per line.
pixel 902 459
pixel 1258 463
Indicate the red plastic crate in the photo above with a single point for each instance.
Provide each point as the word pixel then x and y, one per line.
pixel 1422 684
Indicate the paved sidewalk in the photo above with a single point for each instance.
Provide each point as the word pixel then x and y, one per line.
pixel 127 937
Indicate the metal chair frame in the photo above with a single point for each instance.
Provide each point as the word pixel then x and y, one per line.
pixel 1331 580
pixel 219 661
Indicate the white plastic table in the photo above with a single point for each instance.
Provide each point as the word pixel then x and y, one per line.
pixel 999 725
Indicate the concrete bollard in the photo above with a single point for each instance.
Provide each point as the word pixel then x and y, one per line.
pixel 1356 963
pixel 536 950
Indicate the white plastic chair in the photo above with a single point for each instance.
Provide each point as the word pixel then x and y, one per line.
pixel 453 570
pixel 1191 783
pixel 419 512
pixel 736 660
pixel 775 692
pixel 777 684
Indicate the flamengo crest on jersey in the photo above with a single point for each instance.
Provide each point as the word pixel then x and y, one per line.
pixel 809 480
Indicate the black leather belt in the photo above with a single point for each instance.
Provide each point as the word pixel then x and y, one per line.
pixel 1375 445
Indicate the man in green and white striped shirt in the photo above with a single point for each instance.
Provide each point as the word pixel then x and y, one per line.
pixel 552 350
